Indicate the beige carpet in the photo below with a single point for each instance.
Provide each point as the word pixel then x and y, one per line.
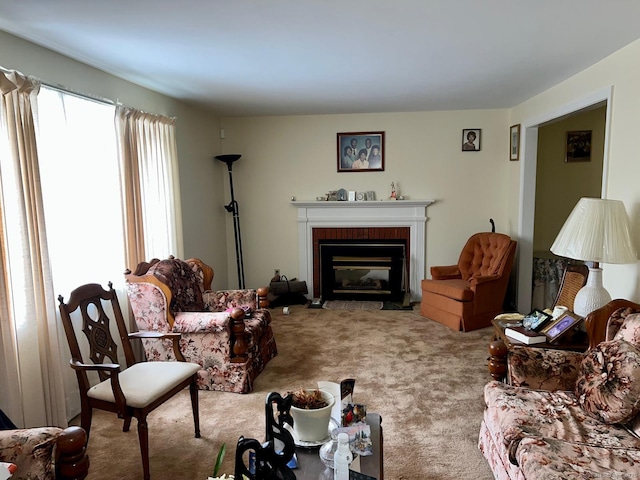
pixel 424 379
pixel 352 305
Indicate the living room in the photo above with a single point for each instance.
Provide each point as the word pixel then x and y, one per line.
pixel 294 156
pixel 268 176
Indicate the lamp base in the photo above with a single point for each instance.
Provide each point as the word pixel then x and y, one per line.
pixel 592 296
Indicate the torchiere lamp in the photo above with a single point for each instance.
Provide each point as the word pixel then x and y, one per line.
pixel 598 231
pixel 233 208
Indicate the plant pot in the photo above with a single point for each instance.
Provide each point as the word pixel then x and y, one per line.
pixel 312 425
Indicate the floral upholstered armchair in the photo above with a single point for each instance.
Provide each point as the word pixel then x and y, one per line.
pixel 563 414
pixel 45 453
pixel 227 332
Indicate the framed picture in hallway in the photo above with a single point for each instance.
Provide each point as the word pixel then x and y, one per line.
pixel 514 143
pixel 361 152
pixel 578 146
pixel 471 139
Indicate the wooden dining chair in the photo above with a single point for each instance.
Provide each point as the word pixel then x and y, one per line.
pixel 130 391
pixel 574 278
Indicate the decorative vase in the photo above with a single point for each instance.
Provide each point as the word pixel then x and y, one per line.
pixel 312 425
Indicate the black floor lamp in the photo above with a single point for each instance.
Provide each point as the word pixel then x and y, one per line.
pixel 233 208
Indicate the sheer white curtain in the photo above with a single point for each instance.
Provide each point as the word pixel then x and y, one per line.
pixel 80 202
pixel 148 156
pixel 30 373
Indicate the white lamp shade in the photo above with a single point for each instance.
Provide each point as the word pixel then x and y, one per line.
pixel 597 230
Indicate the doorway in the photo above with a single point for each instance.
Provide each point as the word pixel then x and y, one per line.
pixel 550 186
pixel 560 182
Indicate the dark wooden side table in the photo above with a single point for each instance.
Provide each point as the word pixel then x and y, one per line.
pixel 310 467
pixel 499 348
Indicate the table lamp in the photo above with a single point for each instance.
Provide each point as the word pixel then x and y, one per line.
pixel 598 231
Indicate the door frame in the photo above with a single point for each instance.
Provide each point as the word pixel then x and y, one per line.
pixel 528 166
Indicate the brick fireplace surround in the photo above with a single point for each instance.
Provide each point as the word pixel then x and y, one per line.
pixel 349 233
pixel 372 220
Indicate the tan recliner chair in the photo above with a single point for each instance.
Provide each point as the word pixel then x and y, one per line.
pixel 467 296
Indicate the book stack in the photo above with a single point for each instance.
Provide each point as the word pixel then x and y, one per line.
pixel 524 335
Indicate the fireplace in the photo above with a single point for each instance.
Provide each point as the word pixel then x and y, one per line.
pixel 370 220
pixel 363 270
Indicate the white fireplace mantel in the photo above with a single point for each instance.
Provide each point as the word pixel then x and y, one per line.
pixel 386 213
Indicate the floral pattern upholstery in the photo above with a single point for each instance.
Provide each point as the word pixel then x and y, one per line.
pixel 537 427
pixel 630 329
pixel 609 385
pixel 541 368
pixel 553 459
pixel 31 449
pixel 206 334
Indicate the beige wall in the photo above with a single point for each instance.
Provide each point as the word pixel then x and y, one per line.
pixel 560 184
pixel 621 71
pixel 201 178
pixel 297 155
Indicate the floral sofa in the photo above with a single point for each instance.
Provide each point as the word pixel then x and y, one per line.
pixel 45 453
pixel 569 415
pixel 227 332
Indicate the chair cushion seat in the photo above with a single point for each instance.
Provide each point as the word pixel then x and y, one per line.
pixel 457 289
pixel 144 382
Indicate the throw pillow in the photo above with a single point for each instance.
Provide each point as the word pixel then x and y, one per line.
pixel 630 329
pixel 608 386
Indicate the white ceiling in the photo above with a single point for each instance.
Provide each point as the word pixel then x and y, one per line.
pixel 276 57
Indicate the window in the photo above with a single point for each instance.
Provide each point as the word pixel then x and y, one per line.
pixel 79 172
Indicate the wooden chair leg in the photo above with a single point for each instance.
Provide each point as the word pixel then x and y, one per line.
pixel 193 390
pixel 85 419
pixel 143 438
pixel 127 423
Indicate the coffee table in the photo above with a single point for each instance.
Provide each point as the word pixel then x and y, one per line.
pixel 310 467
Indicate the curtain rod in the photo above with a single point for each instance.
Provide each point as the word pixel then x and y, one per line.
pixel 76 93
pixel 62 88
pixel 87 96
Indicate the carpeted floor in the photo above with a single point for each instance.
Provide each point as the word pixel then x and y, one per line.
pixel 424 379
pixel 352 305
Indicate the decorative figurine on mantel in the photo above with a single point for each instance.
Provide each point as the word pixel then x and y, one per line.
pixel 393 192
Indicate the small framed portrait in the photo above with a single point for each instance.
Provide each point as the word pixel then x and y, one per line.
pixel 536 320
pixel 578 147
pixel 471 139
pixel 361 152
pixel 514 143
pixel 563 324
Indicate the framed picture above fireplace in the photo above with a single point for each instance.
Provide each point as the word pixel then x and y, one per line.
pixel 361 152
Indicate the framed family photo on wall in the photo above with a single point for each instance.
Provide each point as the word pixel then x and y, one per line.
pixel 514 143
pixel 471 139
pixel 361 152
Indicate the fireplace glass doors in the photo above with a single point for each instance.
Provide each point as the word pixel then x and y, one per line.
pixel 363 270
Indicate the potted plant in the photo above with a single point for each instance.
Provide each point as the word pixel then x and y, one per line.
pixel 311 412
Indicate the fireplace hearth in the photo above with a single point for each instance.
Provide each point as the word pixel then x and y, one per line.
pixel 363 270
